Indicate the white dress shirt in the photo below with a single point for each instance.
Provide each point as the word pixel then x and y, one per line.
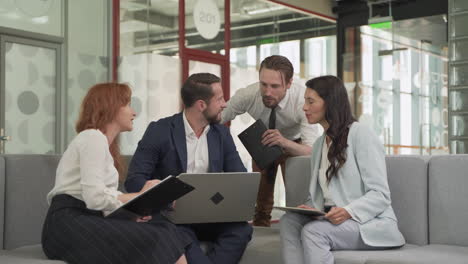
pixel 197 149
pixel 290 118
pixel 322 178
pixel 86 171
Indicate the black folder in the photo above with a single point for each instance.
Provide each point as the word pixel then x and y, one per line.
pixel 263 155
pixel 152 200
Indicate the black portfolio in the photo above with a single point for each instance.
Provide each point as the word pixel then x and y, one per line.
pixel 153 199
pixel 263 155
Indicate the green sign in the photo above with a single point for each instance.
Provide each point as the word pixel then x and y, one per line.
pixel 382 25
pixel 266 41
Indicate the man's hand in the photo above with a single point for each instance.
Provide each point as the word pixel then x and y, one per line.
pixel 272 137
pixel 144 219
pixel 337 215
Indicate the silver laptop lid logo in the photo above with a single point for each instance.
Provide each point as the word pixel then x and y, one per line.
pixel 217 198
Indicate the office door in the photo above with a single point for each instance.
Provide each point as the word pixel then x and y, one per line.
pixel 29 96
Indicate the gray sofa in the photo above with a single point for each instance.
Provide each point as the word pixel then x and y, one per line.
pixel 429 197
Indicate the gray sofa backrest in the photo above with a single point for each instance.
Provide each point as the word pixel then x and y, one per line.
pixel 2 199
pixel 25 180
pixel 28 179
pixel 448 200
pixel 297 180
pixel 407 178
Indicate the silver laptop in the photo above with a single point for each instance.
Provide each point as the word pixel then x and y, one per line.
pixel 218 197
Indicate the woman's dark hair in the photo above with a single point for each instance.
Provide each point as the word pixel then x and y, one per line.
pixel 338 116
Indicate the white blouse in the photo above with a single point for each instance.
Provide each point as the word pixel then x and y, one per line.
pixel 322 178
pixel 86 171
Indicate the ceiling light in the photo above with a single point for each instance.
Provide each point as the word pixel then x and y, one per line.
pixel 263 10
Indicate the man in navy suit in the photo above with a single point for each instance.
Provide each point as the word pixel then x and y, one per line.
pixel 193 141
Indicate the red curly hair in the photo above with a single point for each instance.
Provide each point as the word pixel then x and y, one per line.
pixel 99 108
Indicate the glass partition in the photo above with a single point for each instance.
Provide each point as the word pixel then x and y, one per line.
pixel 398 83
pixel 45 16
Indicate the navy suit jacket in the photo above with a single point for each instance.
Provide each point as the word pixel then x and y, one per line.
pixel 163 151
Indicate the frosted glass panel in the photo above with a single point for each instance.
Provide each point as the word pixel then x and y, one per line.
pixel 459 146
pixel 459 100
pixel 39 16
pixel 87 53
pixel 198 66
pixel 30 91
pixel 459 75
pixel 460 125
pixel 458 50
pixel 84 71
pixel 155 83
pixel 458 26
pixel 459 5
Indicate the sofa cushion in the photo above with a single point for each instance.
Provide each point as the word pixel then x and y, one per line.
pixel 264 248
pixel 407 180
pixel 25 255
pixel 2 198
pixel 448 207
pixel 362 256
pixel 430 254
pixel 28 179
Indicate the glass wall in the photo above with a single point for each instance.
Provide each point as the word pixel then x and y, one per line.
pixel 88 53
pixel 397 76
pixel 260 29
pixel 45 17
pixel 53 52
pixel 150 60
pixel 458 111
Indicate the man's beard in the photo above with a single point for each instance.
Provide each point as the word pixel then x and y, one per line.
pixel 271 104
pixel 212 119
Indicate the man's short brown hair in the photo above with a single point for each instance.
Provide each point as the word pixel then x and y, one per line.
pixel 279 63
pixel 198 87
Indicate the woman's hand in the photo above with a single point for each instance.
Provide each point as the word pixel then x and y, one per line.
pixel 125 197
pixel 149 184
pixel 337 215
pixel 303 206
pixel 144 219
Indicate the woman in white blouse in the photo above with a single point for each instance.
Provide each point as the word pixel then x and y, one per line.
pixel 348 181
pixel 85 190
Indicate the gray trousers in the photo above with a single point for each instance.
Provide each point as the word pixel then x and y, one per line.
pixel 307 240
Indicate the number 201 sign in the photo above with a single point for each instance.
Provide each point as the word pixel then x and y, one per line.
pixel 206 18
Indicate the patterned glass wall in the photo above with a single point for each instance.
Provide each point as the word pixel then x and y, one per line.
pixel 87 58
pixel 155 82
pixel 30 92
pixel 458 81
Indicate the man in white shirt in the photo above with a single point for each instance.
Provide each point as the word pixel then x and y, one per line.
pixel 193 141
pixel 278 103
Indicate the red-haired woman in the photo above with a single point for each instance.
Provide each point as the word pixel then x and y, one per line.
pixel 75 229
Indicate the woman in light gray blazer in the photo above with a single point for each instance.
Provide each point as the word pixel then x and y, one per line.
pixel 348 182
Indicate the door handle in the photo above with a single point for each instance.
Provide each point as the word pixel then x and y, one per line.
pixel 2 136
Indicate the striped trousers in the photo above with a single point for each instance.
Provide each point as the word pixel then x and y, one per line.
pixel 75 234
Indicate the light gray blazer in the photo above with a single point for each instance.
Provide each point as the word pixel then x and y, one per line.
pixel 360 187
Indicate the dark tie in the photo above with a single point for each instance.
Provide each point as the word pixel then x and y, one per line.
pixel 271 171
pixel 272 120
